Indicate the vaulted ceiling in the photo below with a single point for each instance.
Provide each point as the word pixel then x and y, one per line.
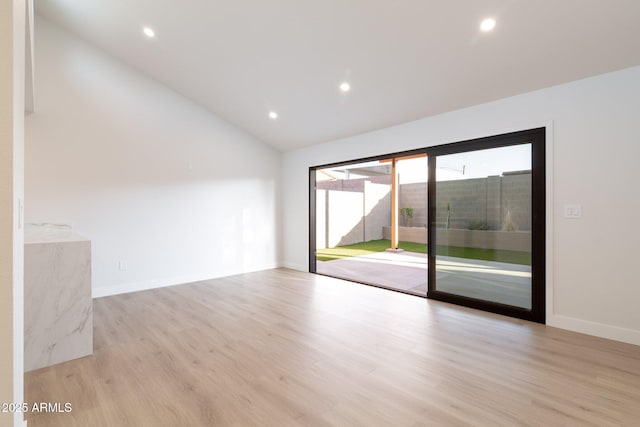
pixel 404 59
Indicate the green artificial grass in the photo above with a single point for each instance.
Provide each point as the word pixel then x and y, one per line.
pixel 373 246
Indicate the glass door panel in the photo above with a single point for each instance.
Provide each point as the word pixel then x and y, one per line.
pixel 371 222
pixel 352 214
pixel 483 225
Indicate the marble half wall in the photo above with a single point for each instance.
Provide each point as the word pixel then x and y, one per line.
pixel 58 305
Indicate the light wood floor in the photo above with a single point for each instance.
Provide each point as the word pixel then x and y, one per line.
pixel 284 348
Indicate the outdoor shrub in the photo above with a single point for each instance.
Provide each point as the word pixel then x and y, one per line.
pixel 478 225
pixel 406 214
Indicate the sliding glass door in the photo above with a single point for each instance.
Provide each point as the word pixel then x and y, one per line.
pixel 462 223
pixel 486 231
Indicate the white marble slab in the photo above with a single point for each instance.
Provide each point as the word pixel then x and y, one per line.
pixel 58 306
pixel 34 233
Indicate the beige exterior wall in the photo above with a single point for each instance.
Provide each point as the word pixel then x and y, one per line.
pixel 505 240
pixel 351 211
pixel 502 202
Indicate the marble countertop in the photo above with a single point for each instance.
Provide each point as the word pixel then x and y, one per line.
pixel 50 234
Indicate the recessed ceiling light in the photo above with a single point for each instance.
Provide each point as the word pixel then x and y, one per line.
pixel 345 87
pixel 149 32
pixel 487 24
pixel 273 115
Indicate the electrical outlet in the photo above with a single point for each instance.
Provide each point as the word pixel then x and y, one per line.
pixel 123 266
pixel 573 211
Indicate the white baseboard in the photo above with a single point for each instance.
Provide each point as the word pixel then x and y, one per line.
pixel 601 330
pixel 124 288
pixel 295 266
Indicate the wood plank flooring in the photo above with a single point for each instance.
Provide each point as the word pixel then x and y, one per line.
pixel 285 348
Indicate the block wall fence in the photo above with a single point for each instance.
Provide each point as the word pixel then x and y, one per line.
pixel 357 210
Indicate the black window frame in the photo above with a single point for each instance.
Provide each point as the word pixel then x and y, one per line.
pixel 537 138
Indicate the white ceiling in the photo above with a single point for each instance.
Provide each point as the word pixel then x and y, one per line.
pixel 405 59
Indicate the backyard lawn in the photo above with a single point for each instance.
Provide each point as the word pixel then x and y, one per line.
pixel 373 246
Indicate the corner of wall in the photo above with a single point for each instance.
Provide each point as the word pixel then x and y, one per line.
pixel 295 266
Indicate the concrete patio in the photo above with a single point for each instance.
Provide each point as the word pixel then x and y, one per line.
pixel 407 271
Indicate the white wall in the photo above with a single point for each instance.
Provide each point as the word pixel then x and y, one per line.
pixel 12 107
pixel 594 140
pixel 152 179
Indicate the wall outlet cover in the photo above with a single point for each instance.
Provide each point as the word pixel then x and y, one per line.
pixel 573 211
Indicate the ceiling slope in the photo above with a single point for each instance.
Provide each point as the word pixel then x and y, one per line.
pixel 404 60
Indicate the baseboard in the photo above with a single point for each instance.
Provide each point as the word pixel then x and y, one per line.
pixel 601 330
pixel 124 288
pixel 295 266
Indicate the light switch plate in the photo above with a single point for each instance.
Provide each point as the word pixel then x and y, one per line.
pixel 573 211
